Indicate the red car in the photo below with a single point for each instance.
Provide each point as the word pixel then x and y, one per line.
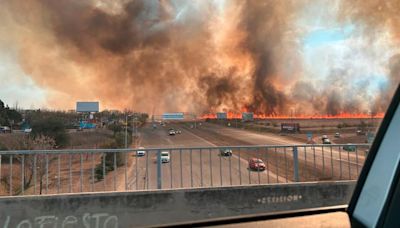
pixel 256 164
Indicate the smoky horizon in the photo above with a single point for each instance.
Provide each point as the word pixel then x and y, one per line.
pixel 206 56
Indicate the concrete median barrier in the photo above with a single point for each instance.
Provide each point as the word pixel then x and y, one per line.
pixel 149 208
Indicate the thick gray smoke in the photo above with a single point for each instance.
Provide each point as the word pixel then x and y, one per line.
pixel 167 55
pixel 376 17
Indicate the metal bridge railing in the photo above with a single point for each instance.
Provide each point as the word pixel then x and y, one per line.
pixel 97 170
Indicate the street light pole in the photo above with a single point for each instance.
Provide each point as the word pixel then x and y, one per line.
pixel 134 130
pixel 126 131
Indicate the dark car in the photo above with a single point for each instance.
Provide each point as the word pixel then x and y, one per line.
pixel 225 152
pixel 256 164
pixel 349 147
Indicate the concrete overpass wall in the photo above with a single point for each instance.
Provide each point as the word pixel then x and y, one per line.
pixel 149 208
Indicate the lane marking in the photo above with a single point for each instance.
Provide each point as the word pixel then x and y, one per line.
pixel 205 140
pixel 269 172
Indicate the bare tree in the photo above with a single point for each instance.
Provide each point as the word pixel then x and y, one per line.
pixel 37 162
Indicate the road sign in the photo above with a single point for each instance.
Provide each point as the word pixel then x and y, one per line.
pixel 221 115
pixel 173 116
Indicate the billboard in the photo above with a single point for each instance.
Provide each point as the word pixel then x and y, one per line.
pixel 173 116
pixel 221 115
pixel 87 106
pixel 247 116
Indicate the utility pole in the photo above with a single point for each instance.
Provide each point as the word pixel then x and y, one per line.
pixel 134 129
pixel 126 131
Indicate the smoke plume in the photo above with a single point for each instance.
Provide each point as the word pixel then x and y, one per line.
pixel 174 55
pixel 376 17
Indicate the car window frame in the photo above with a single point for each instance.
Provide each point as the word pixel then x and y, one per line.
pixel 394 105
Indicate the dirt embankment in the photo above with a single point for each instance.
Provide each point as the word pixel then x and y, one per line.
pixel 77 140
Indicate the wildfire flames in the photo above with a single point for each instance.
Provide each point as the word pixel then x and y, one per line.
pixel 199 56
pixel 232 115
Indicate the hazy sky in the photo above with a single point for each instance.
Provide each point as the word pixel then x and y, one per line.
pixel 325 43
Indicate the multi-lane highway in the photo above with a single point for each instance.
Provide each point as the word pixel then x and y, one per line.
pixel 205 167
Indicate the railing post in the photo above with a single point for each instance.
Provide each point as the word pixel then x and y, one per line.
pixel 159 183
pixel 296 164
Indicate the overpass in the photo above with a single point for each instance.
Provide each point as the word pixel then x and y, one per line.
pixel 118 187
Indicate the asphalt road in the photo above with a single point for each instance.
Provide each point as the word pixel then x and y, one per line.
pixel 205 167
pixel 192 168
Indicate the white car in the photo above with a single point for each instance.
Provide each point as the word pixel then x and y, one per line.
pixel 27 130
pixel 141 152
pixel 164 156
pixel 171 132
pixel 326 141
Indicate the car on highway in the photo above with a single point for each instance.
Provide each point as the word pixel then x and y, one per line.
pixel 141 152
pixel 326 141
pixel 324 137
pixel 5 129
pixel 225 152
pixel 178 131
pixel 256 164
pixel 360 132
pixel 27 130
pixel 171 132
pixel 164 156
pixel 337 135
pixel 349 147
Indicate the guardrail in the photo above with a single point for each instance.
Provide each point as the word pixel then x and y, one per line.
pixel 97 170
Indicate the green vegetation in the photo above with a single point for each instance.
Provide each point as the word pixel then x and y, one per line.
pixel 52 128
pixel 3 147
pixel 8 116
pixel 363 126
pixel 115 128
pixel 342 125
pixel 68 119
pixel 118 141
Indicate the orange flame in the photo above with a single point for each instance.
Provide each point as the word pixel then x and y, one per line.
pixel 233 115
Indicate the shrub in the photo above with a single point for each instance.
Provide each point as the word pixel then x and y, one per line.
pixel 52 128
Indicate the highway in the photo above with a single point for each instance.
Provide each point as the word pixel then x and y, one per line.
pixel 314 163
pixel 192 168
pixel 203 168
